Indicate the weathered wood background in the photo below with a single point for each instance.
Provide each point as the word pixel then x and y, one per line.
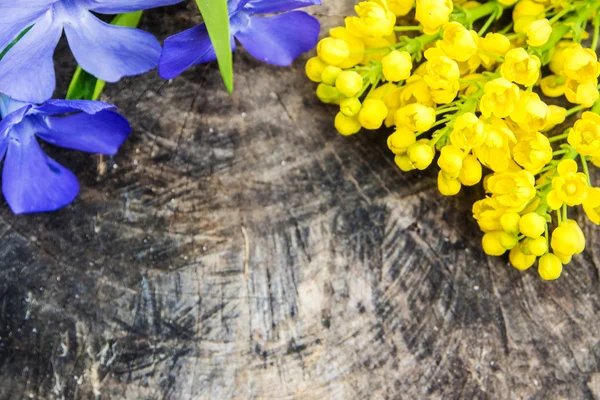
pixel 238 247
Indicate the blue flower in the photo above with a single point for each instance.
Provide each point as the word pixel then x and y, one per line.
pixel 32 181
pixel 276 40
pixel 105 51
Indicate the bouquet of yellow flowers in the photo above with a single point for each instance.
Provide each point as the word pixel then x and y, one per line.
pixel 476 89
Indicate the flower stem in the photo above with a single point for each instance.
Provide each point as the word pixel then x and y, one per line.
pixel 574 110
pixel 585 169
pixel 408 28
pixel 558 137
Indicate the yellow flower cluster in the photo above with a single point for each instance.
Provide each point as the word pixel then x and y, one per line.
pixel 458 88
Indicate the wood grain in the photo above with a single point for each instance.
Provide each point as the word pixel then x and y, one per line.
pixel 238 247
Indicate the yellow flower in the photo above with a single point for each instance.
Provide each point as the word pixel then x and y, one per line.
pixel 568 239
pixel 493 44
pixel 332 51
pixel 396 66
pixel 533 152
pixel 432 14
pixel 314 68
pixel 442 76
pixel 580 64
pixel 538 32
pixel 415 90
pixel 401 7
pixel 534 246
pixel 528 8
pixel 585 134
pixel 327 93
pixel 468 131
pixel 520 67
pixel 549 267
pixel 330 74
pixel 458 43
pixel 447 186
pixel 585 93
pixel 350 106
pixel 451 160
pixel 531 113
pixel 495 151
pixel 415 116
pixel 399 141
pixel 519 260
pixel 346 125
pixel 510 222
pixel 374 19
pixel 513 190
pixel 569 187
pixel 556 116
pixel 591 205
pixel 496 243
pixel 553 85
pixel 532 225
pixel 488 213
pixel 500 98
pixel 349 83
pixel 356 47
pixel 372 114
pixel 421 154
pixel 471 171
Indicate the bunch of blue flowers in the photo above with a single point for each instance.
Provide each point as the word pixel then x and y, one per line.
pixel 29 33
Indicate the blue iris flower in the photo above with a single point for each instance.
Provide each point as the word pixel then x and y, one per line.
pixel 106 51
pixel 32 181
pixel 276 40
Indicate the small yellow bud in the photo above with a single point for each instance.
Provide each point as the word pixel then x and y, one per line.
pixel 451 160
pixel 510 222
pixel 538 32
pixel 458 43
pixel 350 106
pixel 584 93
pixel 415 116
pixel 537 247
pixel 400 140
pixel 421 154
pixel 314 68
pixel 568 239
pixel 519 260
pixel 432 14
pixel 403 162
pixel 327 94
pixel 396 66
pixel 372 114
pixel 532 225
pixel 330 74
pixel 471 171
pixel 492 245
pixel 447 187
pixel 332 51
pixel 549 267
pixel 553 85
pixel 349 83
pixel 346 125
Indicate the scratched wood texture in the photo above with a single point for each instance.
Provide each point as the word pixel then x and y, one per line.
pixel 237 247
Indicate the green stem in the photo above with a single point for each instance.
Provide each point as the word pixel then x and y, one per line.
pixel 585 169
pixel 407 28
pixel 445 110
pixel 596 32
pixel 488 23
pixel 558 137
pixel 559 152
pixel 476 13
pixel 574 110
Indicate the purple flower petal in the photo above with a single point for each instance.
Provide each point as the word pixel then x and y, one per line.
pixel 32 181
pixel 111 52
pixel 27 70
pixel 274 6
pixel 121 6
pixel 101 133
pixel 278 40
pixel 185 49
pixel 54 107
pixel 16 16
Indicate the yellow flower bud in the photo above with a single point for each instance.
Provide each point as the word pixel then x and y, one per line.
pixel 330 74
pixel 556 116
pixel 447 186
pixel 415 90
pixel 585 134
pixel 346 125
pixel 442 76
pixel 531 113
pixel 372 114
pixel 415 116
pixel 557 61
pixel 396 66
pixel 401 7
pixel 314 68
pixel 585 93
pixel 349 83
pixel 487 212
pixel 374 19
pixel 549 267
pixel 350 106
pixel 500 98
pixel 553 85
pixel 458 43
pixel 468 131
pixel 327 94
pixel 403 162
pixel 519 260
pixel 471 172
pixel 492 243
pixel 538 32
pixel 568 239
pixel 451 160
pixel 580 64
pixel 511 189
pixel 356 47
pixel 535 246
pixel 510 222
pixel 399 141
pixel 532 225
pixel 421 154
pixel 520 67
pixel 332 51
pixel 389 93
pixel 432 14
pixel 528 8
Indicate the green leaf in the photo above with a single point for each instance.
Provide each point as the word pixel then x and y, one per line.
pixel 216 18
pixel 85 86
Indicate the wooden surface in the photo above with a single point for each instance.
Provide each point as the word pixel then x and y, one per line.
pixel 238 247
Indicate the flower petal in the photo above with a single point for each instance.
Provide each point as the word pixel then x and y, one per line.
pixel 54 107
pixel 32 181
pixel 567 166
pixel 553 200
pixel 278 40
pixel 27 70
pixel 102 132
pixel 111 52
pixel 185 49
pixel 120 6
pixel 274 6
pixel 15 17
